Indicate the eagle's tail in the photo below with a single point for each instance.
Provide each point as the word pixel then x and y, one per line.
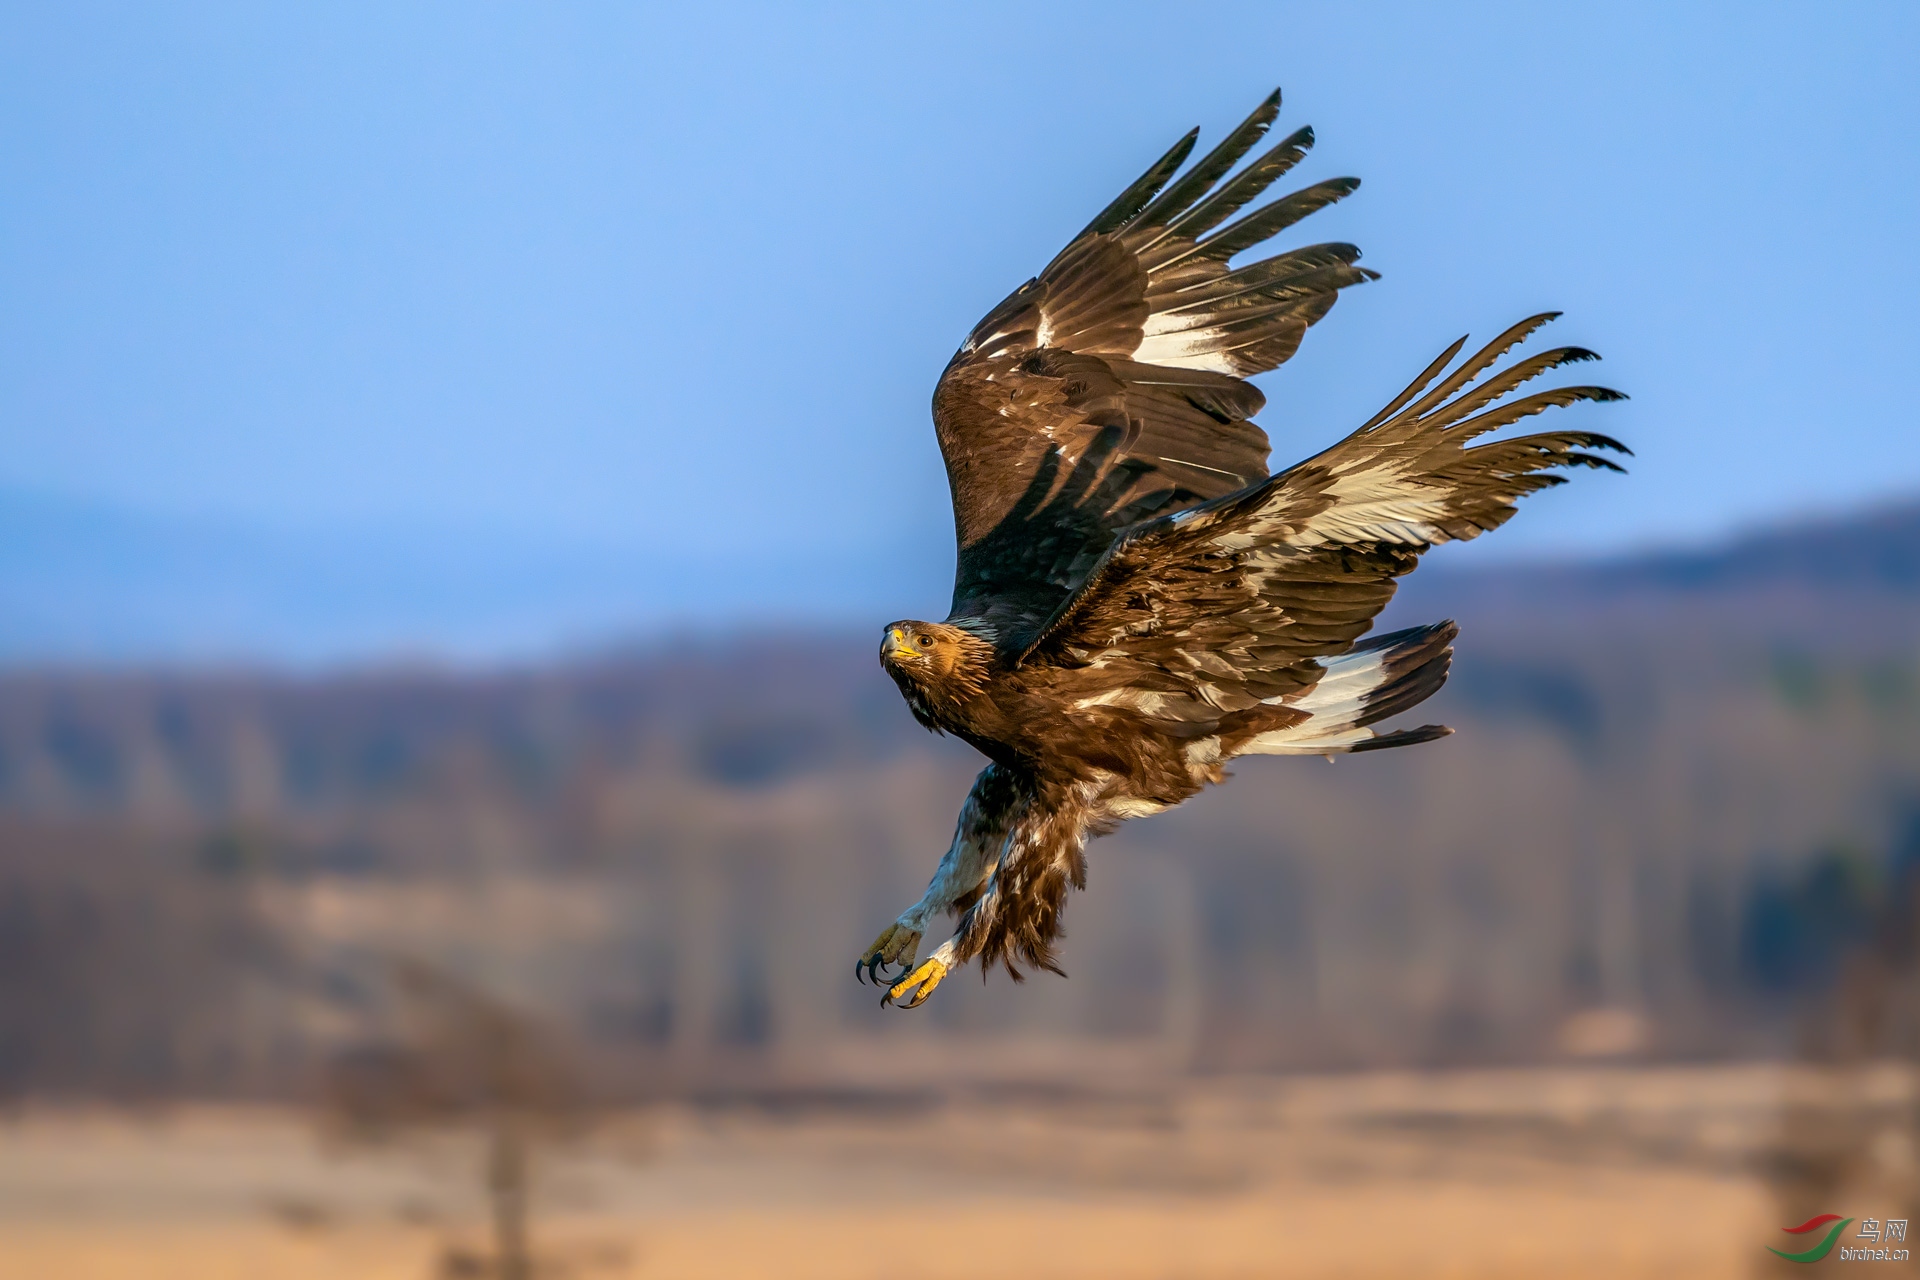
pixel 1375 679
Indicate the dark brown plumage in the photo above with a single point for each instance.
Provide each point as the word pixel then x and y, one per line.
pixel 1137 601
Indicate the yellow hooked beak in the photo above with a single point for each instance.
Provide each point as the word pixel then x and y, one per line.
pixel 897 646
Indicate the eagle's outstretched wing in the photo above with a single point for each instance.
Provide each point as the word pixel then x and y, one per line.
pixel 1239 607
pixel 1108 389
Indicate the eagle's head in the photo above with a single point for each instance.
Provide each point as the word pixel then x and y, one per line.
pixel 936 665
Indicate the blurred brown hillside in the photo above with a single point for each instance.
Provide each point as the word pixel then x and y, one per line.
pixel 1675 777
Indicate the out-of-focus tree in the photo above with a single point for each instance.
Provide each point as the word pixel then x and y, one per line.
pixel 460 1058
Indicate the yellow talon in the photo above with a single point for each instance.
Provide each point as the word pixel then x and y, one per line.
pixel 926 978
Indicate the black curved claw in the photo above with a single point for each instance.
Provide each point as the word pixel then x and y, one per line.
pixel 920 995
pixel 919 998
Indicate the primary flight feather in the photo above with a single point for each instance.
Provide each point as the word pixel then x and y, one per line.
pixel 1137 601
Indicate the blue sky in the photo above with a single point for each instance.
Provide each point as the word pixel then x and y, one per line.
pixel 670 285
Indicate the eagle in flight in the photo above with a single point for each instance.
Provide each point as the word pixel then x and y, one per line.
pixel 1137 601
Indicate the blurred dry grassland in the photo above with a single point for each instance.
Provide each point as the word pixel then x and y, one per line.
pixel 1326 1020
pixel 1519 1173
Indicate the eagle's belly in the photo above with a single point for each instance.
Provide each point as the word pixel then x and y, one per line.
pixel 1163 781
pixel 1112 759
pixel 1128 765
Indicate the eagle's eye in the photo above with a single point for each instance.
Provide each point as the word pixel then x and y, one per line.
pixel 924 640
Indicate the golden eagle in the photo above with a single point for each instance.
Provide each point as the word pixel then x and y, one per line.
pixel 1137 600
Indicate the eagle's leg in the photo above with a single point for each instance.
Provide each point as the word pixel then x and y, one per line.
pixel 977 838
pixel 1017 915
pixel 1014 912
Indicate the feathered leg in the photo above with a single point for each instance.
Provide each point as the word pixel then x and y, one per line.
pixel 990 808
pixel 1016 913
pixel 1015 910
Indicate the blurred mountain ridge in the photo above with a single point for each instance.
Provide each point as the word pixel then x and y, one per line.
pixel 86 582
pixel 1877 549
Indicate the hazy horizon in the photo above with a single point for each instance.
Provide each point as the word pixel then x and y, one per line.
pixel 87 584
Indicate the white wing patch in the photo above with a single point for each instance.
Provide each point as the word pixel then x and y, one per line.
pixel 1383 503
pixel 1185 351
pixel 1332 705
